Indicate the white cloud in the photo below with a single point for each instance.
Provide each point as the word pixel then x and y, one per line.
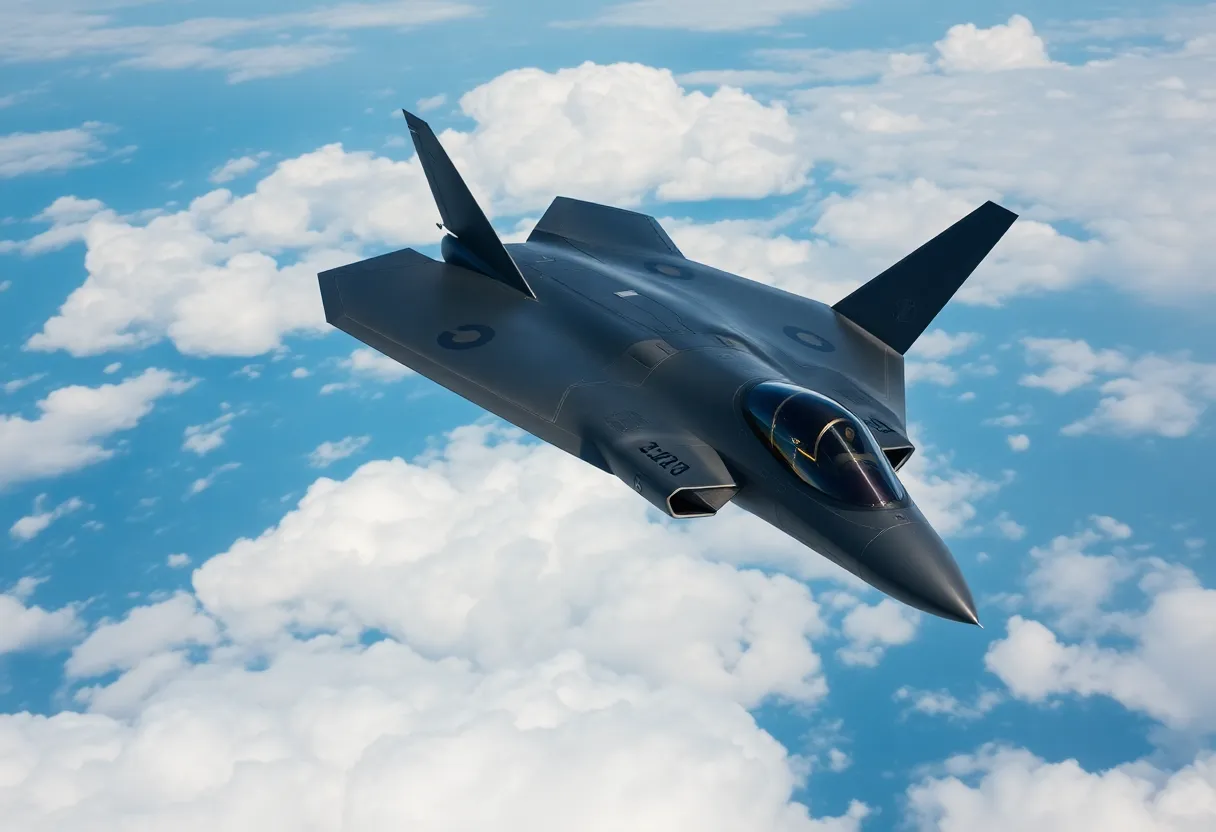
pixel 838 760
pixel 145 631
pixel 323 737
pixel 30 628
pixel 301 372
pixel 937 344
pixel 945 495
pixel 944 703
pixel 444 563
pixel 1010 790
pixel 16 384
pixel 1018 442
pixel 1152 394
pixel 73 423
pixel 177 561
pixel 32 525
pixel 368 363
pixel 870 629
pixel 708 15
pixel 1074 583
pixel 934 372
pixel 1102 147
pixel 208 42
pixel 1073 364
pixel 1012 45
pixel 1008 527
pixel 112 367
pixel 591 651
pixel 1149 664
pixel 237 167
pixel 205 438
pixel 433 102
pixel 328 453
pixel 26 153
pixel 875 119
pixel 203 483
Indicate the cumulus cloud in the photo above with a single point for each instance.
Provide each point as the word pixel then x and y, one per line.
pixel 328 453
pixel 925 359
pixel 74 422
pixel 444 563
pixel 1152 394
pixel 1012 45
pixel 870 629
pixel 611 133
pixel 1006 789
pixel 592 651
pixel 31 627
pixel 145 631
pixel 32 525
pixel 322 738
pixel 26 153
pixel 937 344
pixel 1073 582
pixel 1142 658
pixel 1018 442
pixel 1107 147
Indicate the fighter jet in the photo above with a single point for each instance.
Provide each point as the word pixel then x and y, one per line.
pixel 695 387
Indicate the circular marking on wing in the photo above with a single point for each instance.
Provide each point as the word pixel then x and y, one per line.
pixel 465 337
pixel 809 339
pixel 669 270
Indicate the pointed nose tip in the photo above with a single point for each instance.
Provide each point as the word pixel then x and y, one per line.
pixel 912 564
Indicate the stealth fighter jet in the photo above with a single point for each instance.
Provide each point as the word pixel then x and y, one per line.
pixel 694 386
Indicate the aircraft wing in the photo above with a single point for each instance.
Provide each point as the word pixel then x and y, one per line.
pixel 479 338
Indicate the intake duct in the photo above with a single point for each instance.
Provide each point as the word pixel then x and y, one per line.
pixel 681 478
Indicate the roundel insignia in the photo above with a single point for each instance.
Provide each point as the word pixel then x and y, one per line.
pixel 809 339
pixel 669 270
pixel 465 337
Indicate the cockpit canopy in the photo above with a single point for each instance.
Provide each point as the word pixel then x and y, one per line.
pixel 824 444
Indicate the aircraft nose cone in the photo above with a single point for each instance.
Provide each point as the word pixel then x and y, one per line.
pixel 916 567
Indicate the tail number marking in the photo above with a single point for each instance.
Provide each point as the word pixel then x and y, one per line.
pixel 664 459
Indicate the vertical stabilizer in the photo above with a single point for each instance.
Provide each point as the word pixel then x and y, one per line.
pixel 462 216
pixel 899 304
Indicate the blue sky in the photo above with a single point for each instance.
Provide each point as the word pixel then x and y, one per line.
pixel 253 570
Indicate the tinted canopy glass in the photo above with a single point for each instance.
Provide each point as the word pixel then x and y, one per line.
pixel 824 444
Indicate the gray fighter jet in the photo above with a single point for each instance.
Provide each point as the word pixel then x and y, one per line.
pixel 694 386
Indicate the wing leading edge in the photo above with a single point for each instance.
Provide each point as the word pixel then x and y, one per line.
pixel 899 304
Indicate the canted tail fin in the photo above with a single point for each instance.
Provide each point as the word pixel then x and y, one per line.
pixel 899 304
pixel 472 242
